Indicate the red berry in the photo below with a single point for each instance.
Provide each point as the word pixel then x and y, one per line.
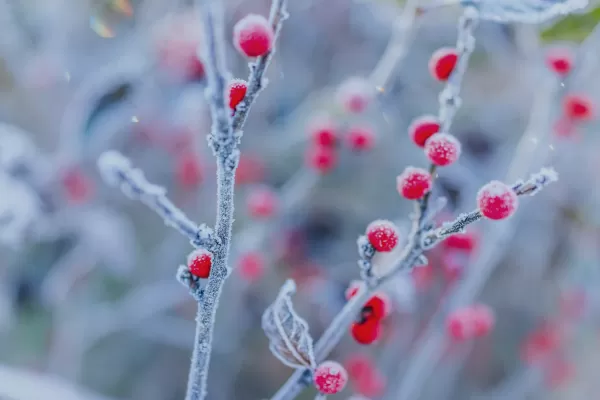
pixel 560 61
pixel 497 200
pixel 330 377
pixel 177 40
pixel 558 372
pixel 578 107
pixel 360 138
pixel 461 241
pixel 413 183
pixel 459 324
pixel 262 202
pixel 442 63
pixel 379 306
pixel 250 169
pixel 483 320
pixel 540 344
pixel 366 332
pixel 323 132
pixel 383 235
pixel 423 128
pixel 251 266
pixel 352 289
pixel 78 186
pixel 321 158
pixel 442 149
pixel 199 263
pixel 189 172
pixel 372 385
pixel 237 91
pixel 253 36
pixel 355 95
pixel 358 365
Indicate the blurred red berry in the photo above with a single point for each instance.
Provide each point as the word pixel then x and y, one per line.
pixel 560 61
pixel 262 202
pixel 360 138
pixel 442 63
pixel 188 170
pixel 564 127
pixel 558 372
pixel 250 170
pixel 483 320
pixel 78 187
pixel 422 276
pixel 330 377
pixel 459 324
pixel 540 344
pixel 461 241
pixel 497 200
pixel 413 183
pixel 355 95
pixel 442 149
pixel 237 91
pixel 383 235
pixel 372 385
pixel 578 107
pixel 199 263
pixel 423 128
pixel 452 266
pixel 323 132
pixel 251 266
pixel 358 365
pixel 323 159
pixel 367 331
pixel 253 36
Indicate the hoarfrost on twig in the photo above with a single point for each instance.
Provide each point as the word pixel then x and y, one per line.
pixel 289 338
pixel 525 11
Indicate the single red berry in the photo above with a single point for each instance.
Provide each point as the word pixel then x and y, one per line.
pixel 189 172
pixel 461 241
pixel 358 365
pixel 442 63
pixel 330 377
pixel 423 128
pixel 459 324
pixel 413 183
pixel 78 187
pixel 253 36
pixel 372 385
pixel 355 95
pixel 251 266
pixel 323 132
pixel 383 235
pixel 236 91
pixel 442 149
pixel 578 107
pixel 540 343
pixel 379 306
pixel 483 320
pixel 560 61
pixel 360 138
pixel 199 263
pixel 366 332
pixel 352 289
pixel 262 202
pixel 497 200
pixel 250 170
pixel 323 159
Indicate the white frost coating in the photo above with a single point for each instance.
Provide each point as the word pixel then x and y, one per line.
pixel 111 164
pixel 289 338
pixel 524 11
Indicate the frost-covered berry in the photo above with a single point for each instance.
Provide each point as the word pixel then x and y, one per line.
pixel 423 128
pixel 367 331
pixel 383 235
pixel 251 266
pixel 560 61
pixel 360 138
pixel 379 306
pixel 323 132
pixel 442 63
pixel 330 377
pixel 496 200
pixel 442 149
pixel 253 35
pixel 262 202
pixel 413 183
pixel 355 95
pixel 578 107
pixel 321 158
pixel 199 263
pixel 188 170
pixel 236 91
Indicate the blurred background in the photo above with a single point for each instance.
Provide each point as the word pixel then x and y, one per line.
pixel 89 307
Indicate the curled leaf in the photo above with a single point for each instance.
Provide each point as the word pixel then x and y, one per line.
pixel 525 11
pixel 289 339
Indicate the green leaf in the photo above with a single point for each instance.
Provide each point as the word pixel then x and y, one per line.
pixel 573 27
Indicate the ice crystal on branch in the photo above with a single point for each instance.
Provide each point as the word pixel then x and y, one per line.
pixel 525 11
pixel 289 339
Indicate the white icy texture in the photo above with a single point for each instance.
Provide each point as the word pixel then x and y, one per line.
pixel 524 11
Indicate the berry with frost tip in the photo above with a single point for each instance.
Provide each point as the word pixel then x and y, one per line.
pixel 236 92
pixel 578 107
pixel 496 200
pixel 330 377
pixel 423 128
pixel 360 138
pixel 262 202
pixel 323 132
pixel 413 183
pixel 442 63
pixel 355 95
pixel 442 149
pixel 199 263
pixel 560 61
pixel 251 266
pixel 323 159
pixel 253 36
pixel 383 235
pixel 367 331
